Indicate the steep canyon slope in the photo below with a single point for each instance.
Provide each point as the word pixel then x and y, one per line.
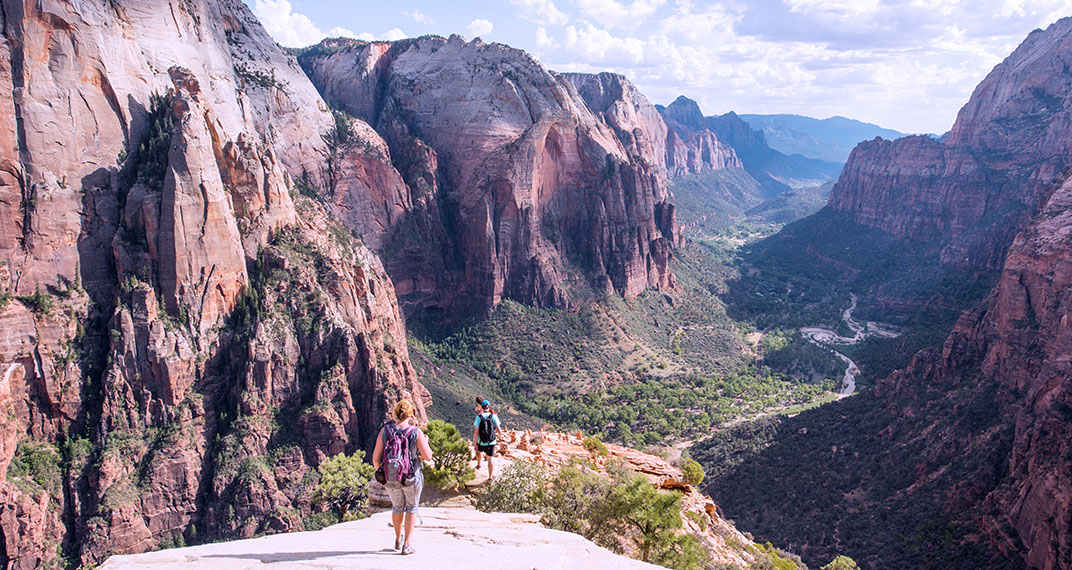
pixel 183 339
pixel 961 460
pixel 1013 355
pixel 516 188
pixel 963 457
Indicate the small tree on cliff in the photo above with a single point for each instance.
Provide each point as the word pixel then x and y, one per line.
pixel 339 139
pixel 841 563
pixel 651 514
pixel 595 446
pixel 344 481
pixel 521 488
pixel 577 502
pixel 450 468
pixel 692 472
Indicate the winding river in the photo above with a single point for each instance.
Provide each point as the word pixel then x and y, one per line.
pixel 824 338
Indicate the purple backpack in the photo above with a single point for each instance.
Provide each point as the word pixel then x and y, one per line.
pixel 398 463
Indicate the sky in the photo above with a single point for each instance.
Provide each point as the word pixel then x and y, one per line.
pixel 907 65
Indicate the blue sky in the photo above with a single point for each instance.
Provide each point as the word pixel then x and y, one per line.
pixel 903 64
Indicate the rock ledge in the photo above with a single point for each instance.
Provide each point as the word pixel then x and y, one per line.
pixel 448 538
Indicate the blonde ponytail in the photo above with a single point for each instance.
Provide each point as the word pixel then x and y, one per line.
pixel 403 410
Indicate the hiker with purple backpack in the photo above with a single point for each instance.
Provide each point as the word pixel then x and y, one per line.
pixel 400 448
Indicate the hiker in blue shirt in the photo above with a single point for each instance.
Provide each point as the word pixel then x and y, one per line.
pixel 485 427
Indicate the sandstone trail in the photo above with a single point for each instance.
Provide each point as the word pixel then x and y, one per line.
pixel 453 534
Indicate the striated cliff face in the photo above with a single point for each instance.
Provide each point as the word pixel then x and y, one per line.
pixel 183 339
pixel 513 186
pixel 976 189
pixel 1017 344
pixel 634 120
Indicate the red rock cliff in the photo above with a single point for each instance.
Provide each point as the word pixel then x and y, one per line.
pixel 1020 342
pixel 516 186
pixel 977 188
pixel 182 339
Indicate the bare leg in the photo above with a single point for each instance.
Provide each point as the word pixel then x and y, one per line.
pixel 409 525
pixel 396 521
pixel 478 454
pixel 491 468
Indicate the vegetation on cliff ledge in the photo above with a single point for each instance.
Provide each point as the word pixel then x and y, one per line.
pixel 621 511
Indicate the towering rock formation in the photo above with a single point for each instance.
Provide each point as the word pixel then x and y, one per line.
pixel 633 119
pixel 181 341
pixel 515 188
pixel 973 191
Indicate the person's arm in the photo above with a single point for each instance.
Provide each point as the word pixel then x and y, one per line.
pixel 422 446
pixel 498 425
pixel 377 454
pixel 476 437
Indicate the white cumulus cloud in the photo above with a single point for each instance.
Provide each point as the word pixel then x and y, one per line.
pixel 541 11
pixel 543 40
pixel 596 45
pixel 293 29
pixel 337 32
pixel 393 34
pixel 615 14
pixel 420 17
pixel 905 64
pixel 286 26
pixel 479 27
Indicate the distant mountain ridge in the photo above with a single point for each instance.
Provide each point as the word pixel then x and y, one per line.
pixel 830 139
pixel 775 171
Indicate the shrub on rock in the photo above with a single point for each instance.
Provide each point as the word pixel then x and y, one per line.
pixel 343 485
pixel 450 465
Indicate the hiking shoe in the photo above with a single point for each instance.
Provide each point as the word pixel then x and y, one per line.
pixel 407 549
pixel 398 544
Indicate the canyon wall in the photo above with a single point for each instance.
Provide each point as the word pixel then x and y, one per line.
pixel 962 458
pixel 183 337
pixel 678 150
pixel 995 194
pixel 773 171
pixel 516 188
pixel 1017 345
pixel 974 190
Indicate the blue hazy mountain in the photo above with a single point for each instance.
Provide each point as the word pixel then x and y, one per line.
pixel 827 139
